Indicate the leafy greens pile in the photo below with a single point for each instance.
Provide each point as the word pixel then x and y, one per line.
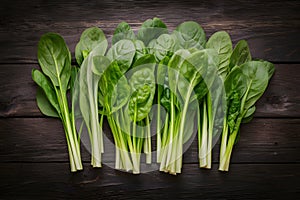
pixel 192 83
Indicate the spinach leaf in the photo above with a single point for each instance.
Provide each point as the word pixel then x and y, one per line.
pixel 43 82
pixel 100 63
pixel 140 48
pixel 109 87
pixel 165 45
pixel 123 31
pixel 92 39
pixel 249 115
pixel 244 86
pixel 174 68
pixel 192 71
pixel 123 52
pixel 44 105
pixel 121 94
pixel 55 59
pixel 190 34
pixel 151 29
pixel 240 54
pixel 92 45
pixel 142 83
pixel 221 42
pixel 235 87
pixel 259 78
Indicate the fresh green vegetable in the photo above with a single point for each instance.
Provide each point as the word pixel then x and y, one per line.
pixel 127 100
pixel 240 54
pixel 219 48
pixel 151 29
pixel 142 83
pixel 165 45
pixel 243 86
pixel 92 46
pixel 115 91
pixel 194 82
pixel 55 60
pixel 123 52
pixel 221 42
pixel 123 31
pixel 184 73
pixel 190 35
pixel 89 41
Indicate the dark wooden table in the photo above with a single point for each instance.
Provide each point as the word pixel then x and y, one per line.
pixel 33 153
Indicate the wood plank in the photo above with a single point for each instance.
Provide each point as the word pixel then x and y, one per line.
pixel 54 181
pixel 43 140
pixel 272 33
pixel 18 92
pixel 261 141
pixel 281 99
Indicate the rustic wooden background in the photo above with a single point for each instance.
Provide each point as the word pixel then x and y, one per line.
pixel 33 153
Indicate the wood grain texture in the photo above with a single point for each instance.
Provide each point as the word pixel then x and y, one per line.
pixel 271 27
pixel 33 153
pixel 18 92
pixel 43 140
pixel 53 181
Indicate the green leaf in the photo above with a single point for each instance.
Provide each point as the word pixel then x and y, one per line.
pixel 123 31
pixel 55 59
pixel 123 52
pixel 151 29
pixel 140 102
pixel 41 80
pixel 140 48
pixel 120 94
pixel 151 46
pixel 192 71
pixel 100 63
pixel 221 42
pixel 174 67
pixel 208 77
pixel 269 67
pixel 236 81
pixel 257 73
pixel 236 84
pixel 84 94
pixel 92 39
pixel 190 34
pixel 240 54
pixel 143 76
pixel 142 83
pixel 44 105
pixel 114 88
pixel 218 103
pixel 146 61
pixel 249 115
pixel 161 72
pixel 165 45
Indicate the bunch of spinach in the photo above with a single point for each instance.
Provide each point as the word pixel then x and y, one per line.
pixel 212 107
pixel 54 81
pixel 127 89
pixel 182 67
pixel 226 98
pixel 185 75
pixel 128 99
pixel 89 53
pixel 244 85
